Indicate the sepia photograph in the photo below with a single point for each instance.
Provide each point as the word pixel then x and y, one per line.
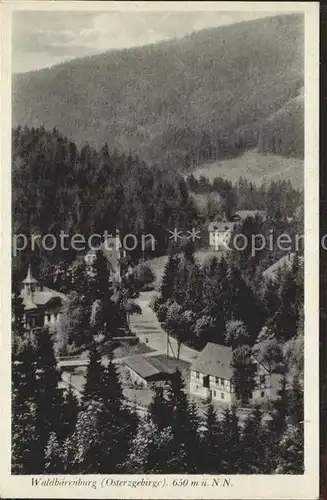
pixel 162 199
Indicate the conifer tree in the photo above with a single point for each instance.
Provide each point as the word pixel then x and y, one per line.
pixel 211 443
pixel 139 460
pixel 25 434
pixel 281 408
pixel 244 371
pixel 291 451
pixel 93 387
pixel 251 450
pixel 54 456
pixel 99 281
pixel 18 328
pixel 70 410
pixel 158 409
pixel 111 392
pixel 296 402
pixel 48 396
pixel 164 457
pixel 184 425
pixel 106 426
pixel 230 456
pixel 169 277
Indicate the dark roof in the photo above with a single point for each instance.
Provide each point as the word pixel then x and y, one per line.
pixel 214 360
pixel 148 366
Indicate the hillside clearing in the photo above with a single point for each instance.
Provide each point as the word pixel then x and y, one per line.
pixel 257 168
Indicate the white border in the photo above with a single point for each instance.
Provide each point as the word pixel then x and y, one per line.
pixel 247 487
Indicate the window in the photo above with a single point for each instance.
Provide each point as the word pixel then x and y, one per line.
pixel 222 381
pixel 197 374
pixel 222 395
pixel 262 394
pixel 214 394
pixel 262 381
pixel 217 380
pixel 206 381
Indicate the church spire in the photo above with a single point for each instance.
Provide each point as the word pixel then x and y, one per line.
pixel 29 277
pixel 29 283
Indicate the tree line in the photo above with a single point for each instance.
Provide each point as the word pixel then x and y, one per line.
pixel 276 198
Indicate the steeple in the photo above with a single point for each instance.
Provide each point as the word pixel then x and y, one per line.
pixel 29 282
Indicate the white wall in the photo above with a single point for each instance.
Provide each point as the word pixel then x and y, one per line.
pixel 218 391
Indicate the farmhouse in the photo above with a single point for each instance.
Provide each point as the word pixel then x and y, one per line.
pixel 211 376
pixel 42 305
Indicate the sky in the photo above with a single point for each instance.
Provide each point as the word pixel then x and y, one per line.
pixel 41 39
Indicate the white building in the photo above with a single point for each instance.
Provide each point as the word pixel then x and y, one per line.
pixel 211 376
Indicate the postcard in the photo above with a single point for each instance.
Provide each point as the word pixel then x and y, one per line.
pixel 160 250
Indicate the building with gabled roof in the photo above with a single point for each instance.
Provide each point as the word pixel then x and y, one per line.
pixel 42 305
pixel 211 376
pixel 152 369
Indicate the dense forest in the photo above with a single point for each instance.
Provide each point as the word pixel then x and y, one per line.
pixel 55 432
pixel 228 301
pixel 58 187
pixel 277 199
pixel 215 94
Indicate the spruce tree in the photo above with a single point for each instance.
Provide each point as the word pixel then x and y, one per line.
pixel 138 460
pixel 211 444
pixel 230 452
pixel 25 433
pixel 93 387
pixel 281 404
pixel 99 280
pixel 296 402
pixel 158 409
pixel 291 451
pixel 70 410
pixel 54 462
pixel 105 427
pixel 244 372
pixel 251 450
pixel 48 396
pixel 184 426
pixel 169 277
pixel 18 328
pixel 163 455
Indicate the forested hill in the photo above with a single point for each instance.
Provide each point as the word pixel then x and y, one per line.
pixel 213 91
